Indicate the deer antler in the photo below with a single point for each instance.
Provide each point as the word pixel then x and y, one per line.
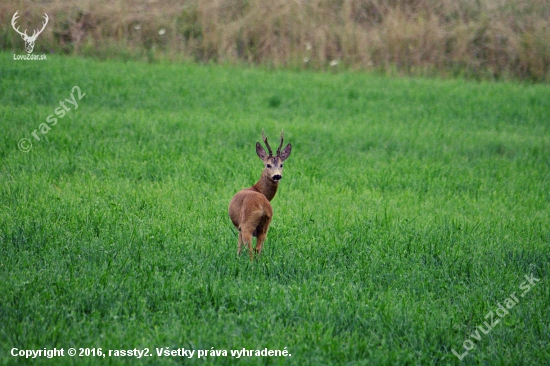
pixel 266 144
pixel 13 19
pixel 281 145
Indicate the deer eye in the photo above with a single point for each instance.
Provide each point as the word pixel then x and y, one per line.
pixel 281 165
pixel 269 166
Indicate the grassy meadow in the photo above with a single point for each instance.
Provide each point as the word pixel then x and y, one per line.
pixel 409 210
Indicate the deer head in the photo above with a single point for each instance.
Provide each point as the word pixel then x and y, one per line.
pixel 273 164
pixel 29 41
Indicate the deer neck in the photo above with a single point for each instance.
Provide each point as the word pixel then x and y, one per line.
pixel 266 186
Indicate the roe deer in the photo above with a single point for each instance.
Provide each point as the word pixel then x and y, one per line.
pixel 250 210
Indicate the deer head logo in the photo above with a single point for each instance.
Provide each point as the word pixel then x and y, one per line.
pixel 29 41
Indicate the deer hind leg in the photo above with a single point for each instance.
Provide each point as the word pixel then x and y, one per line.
pixel 246 240
pixel 260 244
pixel 262 233
pixel 240 244
pixel 250 229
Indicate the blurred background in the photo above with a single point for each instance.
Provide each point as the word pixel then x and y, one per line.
pixel 486 39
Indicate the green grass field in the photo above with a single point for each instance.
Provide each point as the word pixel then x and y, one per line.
pixel 409 210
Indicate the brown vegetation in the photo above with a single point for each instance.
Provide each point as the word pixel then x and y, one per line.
pixel 478 38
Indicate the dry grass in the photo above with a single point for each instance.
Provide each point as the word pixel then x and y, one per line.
pixel 483 38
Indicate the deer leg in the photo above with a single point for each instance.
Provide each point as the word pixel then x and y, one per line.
pixel 260 244
pixel 247 240
pixel 250 251
pixel 240 244
pixel 262 234
pixel 249 229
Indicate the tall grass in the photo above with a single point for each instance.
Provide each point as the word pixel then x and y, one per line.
pixel 481 39
pixel 408 209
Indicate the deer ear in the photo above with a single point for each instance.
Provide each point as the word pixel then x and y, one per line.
pixel 286 152
pixel 260 151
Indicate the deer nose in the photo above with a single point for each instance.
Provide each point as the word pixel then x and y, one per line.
pixel 277 177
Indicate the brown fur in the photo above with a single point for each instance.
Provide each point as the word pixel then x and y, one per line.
pixel 250 210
